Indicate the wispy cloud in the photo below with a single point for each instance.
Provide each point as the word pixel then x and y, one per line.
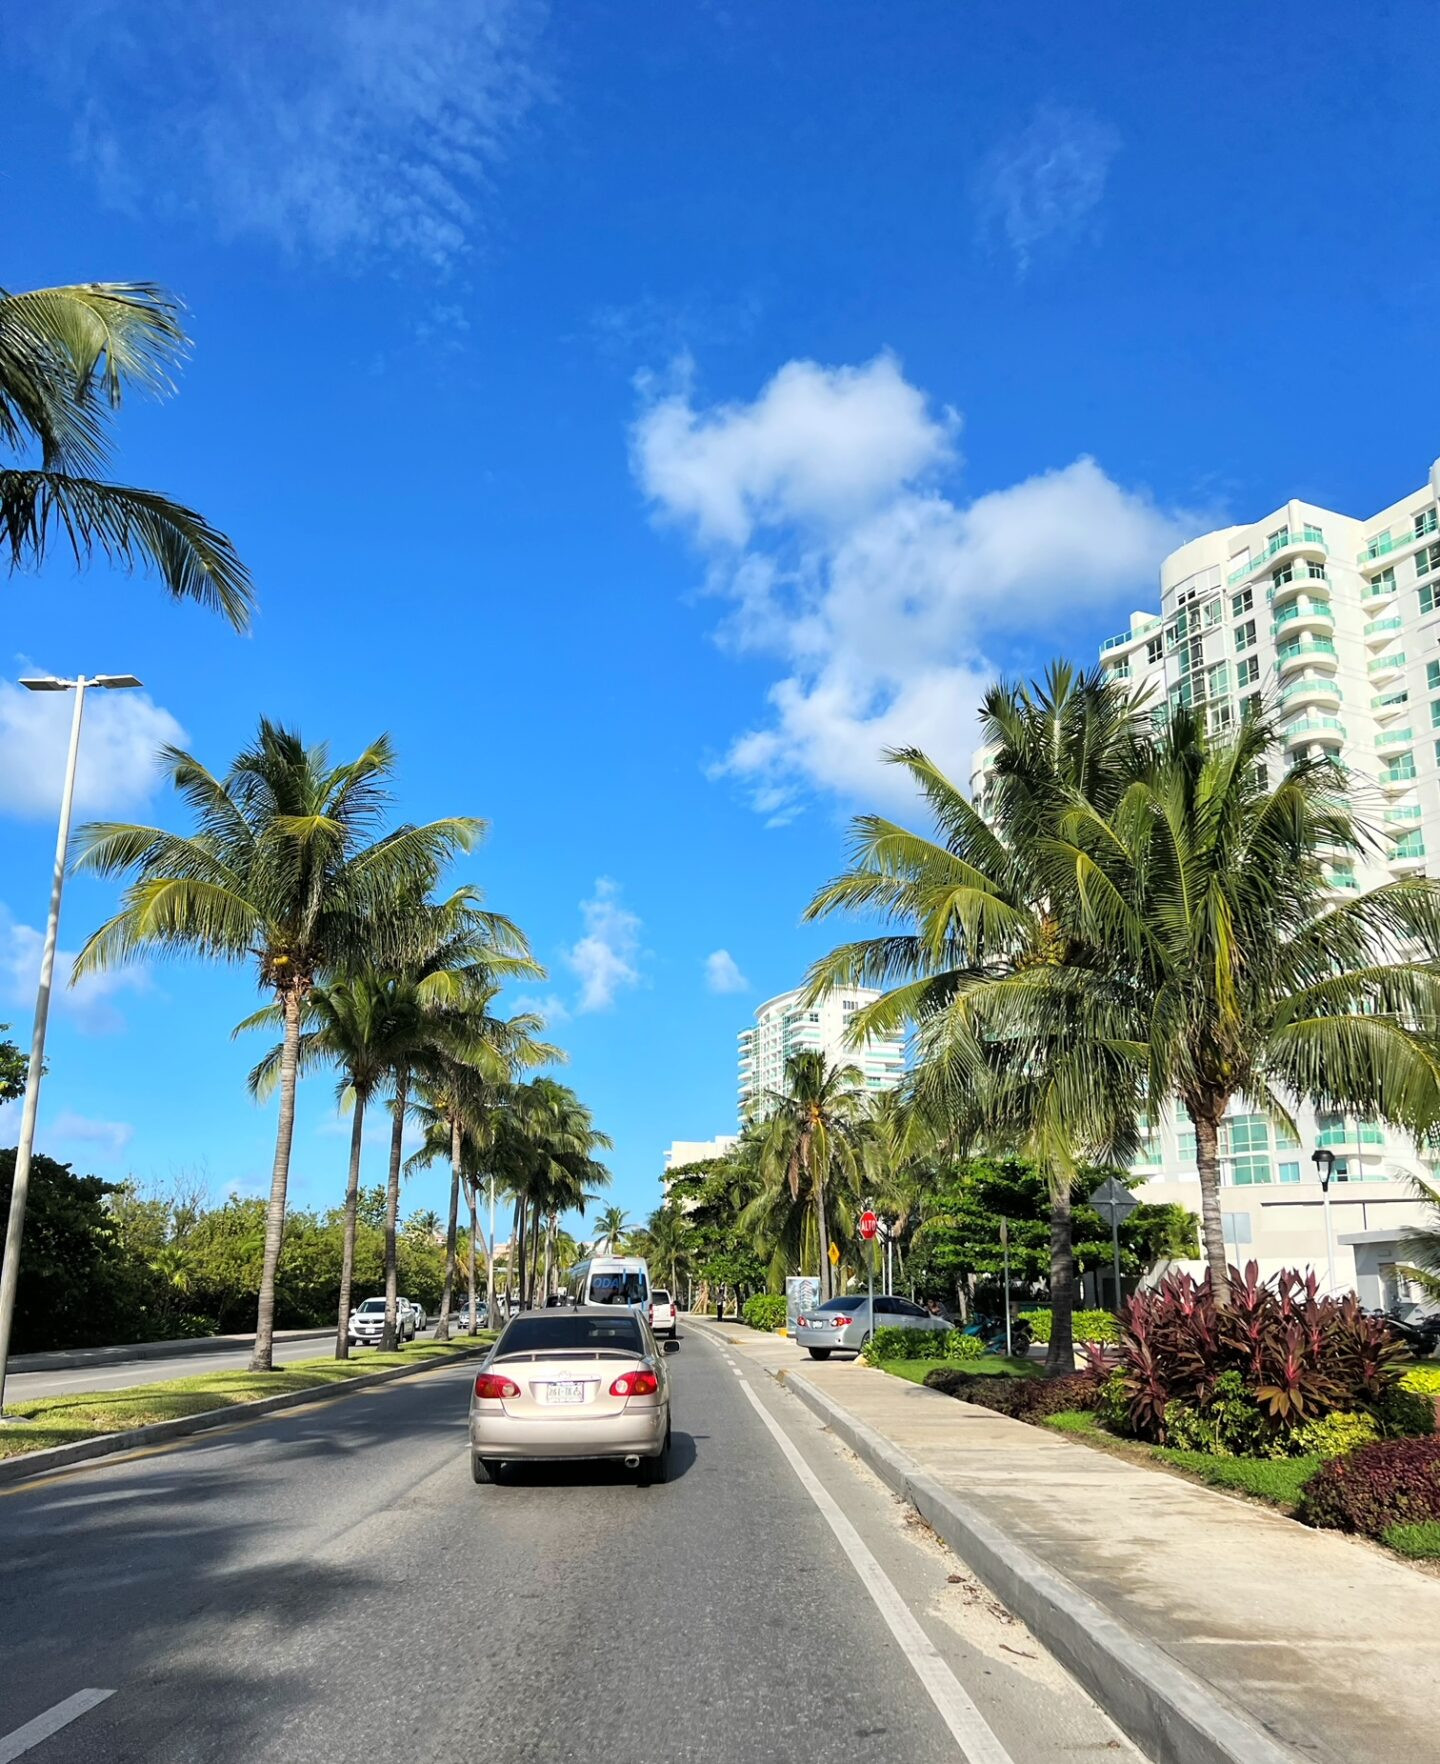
pixel 545 1004
pixel 606 959
pixel 351 129
pixel 1040 187
pixel 70 1128
pixel 722 973
pixel 653 328
pixel 90 1004
pixel 821 511
pixel 118 768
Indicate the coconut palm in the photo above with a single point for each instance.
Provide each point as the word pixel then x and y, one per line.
pixel 288 867
pixel 973 923
pixel 667 1245
pixel 1205 890
pixel 810 1132
pixel 611 1224
pixel 66 355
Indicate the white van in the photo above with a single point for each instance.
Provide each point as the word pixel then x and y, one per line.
pixel 609 1280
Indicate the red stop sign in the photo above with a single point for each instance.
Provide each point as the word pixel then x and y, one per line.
pixel 868 1225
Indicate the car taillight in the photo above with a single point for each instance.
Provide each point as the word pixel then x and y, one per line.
pixel 630 1384
pixel 493 1387
pixel 841 1322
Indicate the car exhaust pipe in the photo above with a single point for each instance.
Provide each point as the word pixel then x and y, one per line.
pixel 633 1461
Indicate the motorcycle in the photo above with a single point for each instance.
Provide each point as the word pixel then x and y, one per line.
pixel 991 1332
pixel 1420 1334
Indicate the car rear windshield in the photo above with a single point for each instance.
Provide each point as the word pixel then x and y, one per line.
pixel 840 1304
pixel 660 1296
pixel 570 1332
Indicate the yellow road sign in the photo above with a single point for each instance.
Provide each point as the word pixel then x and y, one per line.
pixel 834 1256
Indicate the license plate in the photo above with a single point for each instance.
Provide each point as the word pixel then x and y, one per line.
pixel 567 1391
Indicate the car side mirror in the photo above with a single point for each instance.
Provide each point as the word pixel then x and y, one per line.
pixel 670 1347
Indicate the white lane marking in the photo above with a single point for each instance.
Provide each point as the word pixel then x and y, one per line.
pixel 30 1735
pixel 968 1727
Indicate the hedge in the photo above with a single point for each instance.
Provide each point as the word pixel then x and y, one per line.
pixel 892 1343
pixel 1026 1399
pixel 1087 1325
pixel 1376 1488
pixel 766 1310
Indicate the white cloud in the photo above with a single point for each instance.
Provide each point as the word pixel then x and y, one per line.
pixel 357 130
pixel 120 738
pixel 69 1128
pixel 722 973
pixel 606 958
pixel 547 1005
pixel 89 1004
pixel 831 537
pixel 1041 185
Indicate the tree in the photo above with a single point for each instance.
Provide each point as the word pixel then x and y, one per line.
pixel 667 1243
pixel 13 1068
pixel 611 1225
pixel 810 1130
pixel 1204 891
pixel 289 867
pixel 66 355
pixel 974 932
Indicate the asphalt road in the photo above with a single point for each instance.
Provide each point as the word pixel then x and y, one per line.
pixel 122 1374
pixel 329 1584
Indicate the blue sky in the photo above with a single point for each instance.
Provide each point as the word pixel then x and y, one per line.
pixel 647 414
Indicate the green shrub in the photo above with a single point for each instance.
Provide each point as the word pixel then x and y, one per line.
pixel 1420 1540
pixel 1404 1414
pixel 959 1346
pixel 892 1343
pixel 1394 1482
pixel 1086 1325
pixel 1112 1407
pixel 765 1311
pixel 1334 1435
pixel 1425 1379
pixel 1026 1399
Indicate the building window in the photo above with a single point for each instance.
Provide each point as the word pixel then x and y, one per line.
pixel 1245 635
pixel 1247 671
pixel 1286 573
pixel 1427 559
pixel 1290 1172
pixel 1277 540
pixel 1400 768
pixel 1246 1133
pixel 1435 713
pixel 1383 583
pixel 814 1017
pixel 1154 649
pixel 1213 610
pixel 1221 718
pixel 1250 706
pixel 1425 521
pixel 1249 1171
pixel 1218 680
pixel 1427 598
pixel 1242 602
pixel 1316 572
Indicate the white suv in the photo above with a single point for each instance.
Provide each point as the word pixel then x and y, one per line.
pixel 367 1322
pixel 664 1318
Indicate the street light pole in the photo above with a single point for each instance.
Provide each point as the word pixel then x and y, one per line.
pixel 20 1189
pixel 1324 1162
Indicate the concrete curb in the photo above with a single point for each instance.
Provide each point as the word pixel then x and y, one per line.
pixel 76 1359
pixel 1174 1717
pixel 30 1465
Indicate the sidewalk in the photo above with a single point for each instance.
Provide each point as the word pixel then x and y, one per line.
pixel 1316 1640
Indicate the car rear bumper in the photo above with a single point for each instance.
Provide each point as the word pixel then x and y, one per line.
pixel 635 1432
pixel 839 1341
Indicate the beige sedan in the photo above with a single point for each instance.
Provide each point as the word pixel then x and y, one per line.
pixel 585 1383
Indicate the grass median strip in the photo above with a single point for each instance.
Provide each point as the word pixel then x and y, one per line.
pixel 990 1365
pixel 88 1414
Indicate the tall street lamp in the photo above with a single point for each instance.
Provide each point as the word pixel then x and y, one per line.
pixel 1324 1162
pixel 19 1193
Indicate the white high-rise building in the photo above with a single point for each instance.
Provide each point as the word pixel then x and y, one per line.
pixel 785 1025
pixel 1337 620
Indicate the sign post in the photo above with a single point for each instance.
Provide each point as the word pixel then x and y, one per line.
pixel 1113 1201
pixel 869 1224
pixel 1005 1254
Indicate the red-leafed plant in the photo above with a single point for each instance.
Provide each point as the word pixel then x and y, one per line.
pixel 1394 1482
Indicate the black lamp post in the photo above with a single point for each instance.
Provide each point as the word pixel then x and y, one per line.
pixel 1324 1161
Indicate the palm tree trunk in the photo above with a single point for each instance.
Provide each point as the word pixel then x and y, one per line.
pixel 549 1259
pixel 262 1359
pixel 822 1229
pixel 1060 1360
pixel 347 1250
pixel 452 1226
pixel 1206 1122
pixel 389 1341
pixel 515 1261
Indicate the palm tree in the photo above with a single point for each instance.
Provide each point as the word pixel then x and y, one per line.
pixel 1205 890
pixel 667 1245
pixel 289 867
pixel 973 926
pixel 810 1130
pixel 897 1137
pixel 66 355
pixel 611 1224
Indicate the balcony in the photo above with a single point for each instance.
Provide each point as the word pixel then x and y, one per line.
pixel 1382 588
pixel 1396 779
pixel 1326 731
pixel 1294 654
pixel 1313 689
pixel 1299 582
pixel 1385 667
pixel 1304 615
pixel 1122 638
pixel 1386 544
pixel 1342 879
pixel 1403 816
pixel 1307 539
pixel 1393 738
pixel 1389 704
pixel 1379 630
pixel 1408 853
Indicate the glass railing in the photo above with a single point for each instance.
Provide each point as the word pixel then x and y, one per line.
pixel 1308 726
pixel 1384 701
pixel 1394 738
pixel 1411 846
pixel 1399 774
pixel 1398 817
pixel 1377 627
pixel 1300 688
pixel 1384 664
pixel 1295 649
pixel 1382 544
pixel 1282 541
pixel 1121 638
pixel 1380 589
pixel 1303 609
pixel 1117 642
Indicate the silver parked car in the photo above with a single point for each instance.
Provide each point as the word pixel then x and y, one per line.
pixel 587 1382
pixel 844 1325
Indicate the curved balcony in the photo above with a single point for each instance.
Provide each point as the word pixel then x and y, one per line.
pixel 1407 861
pixel 1313 689
pixel 1382 630
pixel 1296 653
pixel 1305 614
pixel 1328 732
pixel 1399 776
pixel 1390 704
pixel 1381 592
pixel 1288 542
pixel 1386 667
pixel 1300 582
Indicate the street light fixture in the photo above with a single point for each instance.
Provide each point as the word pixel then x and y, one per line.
pixel 1324 1162
pixel 19 1193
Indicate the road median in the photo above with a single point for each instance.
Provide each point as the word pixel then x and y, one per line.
pixel 65 1430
